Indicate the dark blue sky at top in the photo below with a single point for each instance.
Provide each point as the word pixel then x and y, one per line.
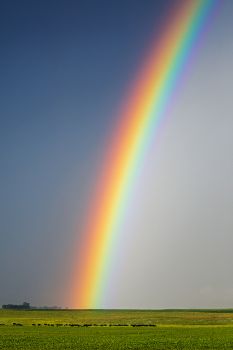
pixel 65 67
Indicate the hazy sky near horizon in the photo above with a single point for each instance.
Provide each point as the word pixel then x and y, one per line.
pixel 65 67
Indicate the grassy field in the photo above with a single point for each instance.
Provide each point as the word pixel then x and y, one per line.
pixel 116 329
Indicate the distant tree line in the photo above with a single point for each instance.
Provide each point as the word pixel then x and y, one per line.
pixel 27 306
pixel 24 306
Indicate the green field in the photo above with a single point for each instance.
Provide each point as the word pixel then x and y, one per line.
pixel 116 329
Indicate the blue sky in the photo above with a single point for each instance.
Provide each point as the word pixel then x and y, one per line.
pixel 65 67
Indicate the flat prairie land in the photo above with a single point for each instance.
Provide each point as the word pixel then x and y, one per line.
pixel 116 329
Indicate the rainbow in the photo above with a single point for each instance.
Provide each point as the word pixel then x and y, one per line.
pixel 139 119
